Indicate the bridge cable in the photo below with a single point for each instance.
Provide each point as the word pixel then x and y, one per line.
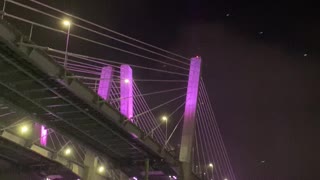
pixel 145 120
pixel 203 117
pixel 150 115
pixel 107 29
pixel 85 57
pixel 151 93
pixel 216 129
pixel 94 42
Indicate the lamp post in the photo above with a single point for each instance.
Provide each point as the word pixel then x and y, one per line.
pixel 67 24
pixel 165 119
pixel 211 167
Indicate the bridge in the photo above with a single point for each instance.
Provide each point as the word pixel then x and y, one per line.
pixel 67 112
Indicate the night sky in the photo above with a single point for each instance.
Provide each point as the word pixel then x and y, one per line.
pixel 261 68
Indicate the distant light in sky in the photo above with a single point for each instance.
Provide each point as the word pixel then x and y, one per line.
pixel 227 14
pixel 305 55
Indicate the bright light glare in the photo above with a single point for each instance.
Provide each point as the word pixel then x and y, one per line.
pixel 126 81
pixel 210 165
pixel 67 151
pixel 101 169
pixel 225 179
pixel 66 22
pixel 24 129
pixel 164 118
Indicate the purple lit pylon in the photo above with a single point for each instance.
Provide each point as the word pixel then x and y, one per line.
pixel 43 135
pixel 105 82
pixel 190 117
pixel 126 96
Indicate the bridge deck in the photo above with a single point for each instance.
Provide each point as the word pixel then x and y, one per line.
pixel 30 79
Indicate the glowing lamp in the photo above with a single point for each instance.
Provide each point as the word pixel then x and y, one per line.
pixel 24 129
pixel 66 23
pixel 101 169
pixel 164 118
pixel 67 151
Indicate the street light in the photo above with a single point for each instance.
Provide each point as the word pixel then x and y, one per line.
pixel 24 129
pixel 67 23
pixel 211 167
pixel 67 151
pixel 165 119
pixel 101 169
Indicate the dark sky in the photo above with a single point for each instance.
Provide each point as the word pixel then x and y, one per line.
pixel 261 67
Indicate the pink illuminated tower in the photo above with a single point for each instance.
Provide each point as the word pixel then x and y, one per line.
pixel 126 96
pixel 190 117
pixel 105 82
pixel 43 135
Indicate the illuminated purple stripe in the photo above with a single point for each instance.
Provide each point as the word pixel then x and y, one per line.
pixel 105 82
pixel 190 110
pixel 43 136
pixel 126 102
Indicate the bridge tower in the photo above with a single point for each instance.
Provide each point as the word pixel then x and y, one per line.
pixel 105 82
pixel 126 93
pixel 190 119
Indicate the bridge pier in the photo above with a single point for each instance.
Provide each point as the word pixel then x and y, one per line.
pixel 91 167
pixel 188 130
pixel 146 177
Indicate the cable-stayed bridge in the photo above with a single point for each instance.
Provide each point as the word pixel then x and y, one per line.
pixel 81 101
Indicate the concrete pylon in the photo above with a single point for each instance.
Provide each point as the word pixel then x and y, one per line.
pixel 190 119
pixel 105 82
pixel 41 133
pixel 91 167
pixel 126 94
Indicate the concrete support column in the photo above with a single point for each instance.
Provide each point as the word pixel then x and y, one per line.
pixel 91 167
pixel 105 82
pixel 126 94
pixel 190 118
pixel 146 177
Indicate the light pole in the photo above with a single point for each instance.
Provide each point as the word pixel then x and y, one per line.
pixel 165 119
pixel 67 24
pixel 211 167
